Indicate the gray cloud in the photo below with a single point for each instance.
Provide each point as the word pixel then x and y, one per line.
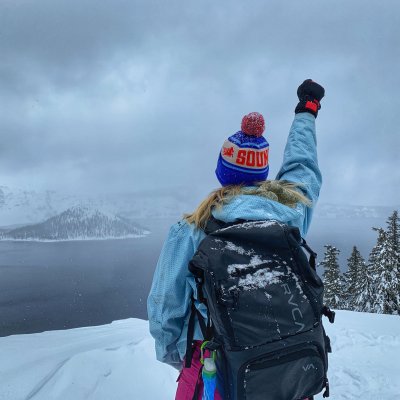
pixel 118 95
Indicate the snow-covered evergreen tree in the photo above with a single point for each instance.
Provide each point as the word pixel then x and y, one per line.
pixel 393 250
pixel 333 294
pixel 350 278
pixel 385 275
pixel 363 298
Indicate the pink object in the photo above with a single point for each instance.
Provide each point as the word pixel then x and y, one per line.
pixel 189 377
pixel 253 124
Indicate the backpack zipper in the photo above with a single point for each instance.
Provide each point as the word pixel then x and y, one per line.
pixel 284 359
pixel 291 355
pixel 290 350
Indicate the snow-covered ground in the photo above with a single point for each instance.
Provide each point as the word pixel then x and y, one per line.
pixel 116 362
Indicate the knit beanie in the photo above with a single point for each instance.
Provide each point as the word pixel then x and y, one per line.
pixel 244 156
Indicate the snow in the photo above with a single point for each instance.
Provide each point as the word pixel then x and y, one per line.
pixel 238 249
pixel 107 362
pixel 117 362
pixel 77 223
pixel 251 224
pixel 254 262
pixel 259 279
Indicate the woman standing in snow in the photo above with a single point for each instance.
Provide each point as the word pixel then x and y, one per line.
pixel 245 194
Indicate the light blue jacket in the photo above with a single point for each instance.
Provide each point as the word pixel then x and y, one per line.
pixel 169 299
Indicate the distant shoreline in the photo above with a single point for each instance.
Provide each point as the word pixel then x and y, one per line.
pixel 76 239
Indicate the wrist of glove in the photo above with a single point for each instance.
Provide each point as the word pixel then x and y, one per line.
pixel 308 104
pixel 310 94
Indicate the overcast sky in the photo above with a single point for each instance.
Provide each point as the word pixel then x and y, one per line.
pixel 117 95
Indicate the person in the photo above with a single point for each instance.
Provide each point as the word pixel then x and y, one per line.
pixel 245 194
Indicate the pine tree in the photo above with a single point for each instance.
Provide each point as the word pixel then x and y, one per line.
pixel 393 233
pixel 393 250
pixel 385 275
pixel 333 297
pixel 373 261
pixel 350 279
pixel 363 298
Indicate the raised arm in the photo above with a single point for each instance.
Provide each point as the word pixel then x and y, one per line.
pixel 300 161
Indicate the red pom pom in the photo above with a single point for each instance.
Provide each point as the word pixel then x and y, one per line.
pixel 253 124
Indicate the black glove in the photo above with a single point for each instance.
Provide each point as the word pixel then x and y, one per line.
pixel 309 94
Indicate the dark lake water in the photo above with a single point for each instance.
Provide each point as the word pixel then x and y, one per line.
pixel 59 285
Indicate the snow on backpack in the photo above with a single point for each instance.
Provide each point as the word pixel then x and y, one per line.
pixel 264 306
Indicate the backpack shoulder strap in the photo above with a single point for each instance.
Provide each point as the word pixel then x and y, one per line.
pixel 194 312
pixel 313 254
pixel 213 224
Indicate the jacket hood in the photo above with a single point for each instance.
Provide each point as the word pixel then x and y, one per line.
pixel 253 207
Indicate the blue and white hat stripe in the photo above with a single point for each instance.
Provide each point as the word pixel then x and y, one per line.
pixel 243 159
pixel 243 169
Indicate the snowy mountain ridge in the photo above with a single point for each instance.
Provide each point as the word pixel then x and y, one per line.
pixel 18 206
pixel 117 361
pixel 77 223
pixel 22 207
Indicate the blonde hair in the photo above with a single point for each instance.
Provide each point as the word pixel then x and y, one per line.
pixel 284 192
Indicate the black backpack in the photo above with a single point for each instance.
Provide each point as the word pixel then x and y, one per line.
pixel 264 303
